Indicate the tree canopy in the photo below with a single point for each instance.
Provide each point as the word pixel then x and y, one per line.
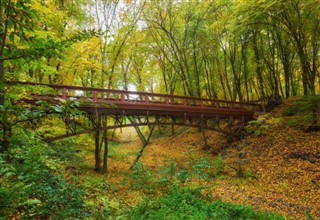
pixel 236 50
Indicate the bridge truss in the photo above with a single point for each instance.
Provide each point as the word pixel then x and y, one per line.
pixel 105 109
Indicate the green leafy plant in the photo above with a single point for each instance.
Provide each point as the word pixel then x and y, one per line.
pixel 31 183
pixel 219 165
pixel 305 113
pixel 184 176
pixel 188 203
pixel 167 175
pixel 199 167
pixel 141 179
pixel 256 128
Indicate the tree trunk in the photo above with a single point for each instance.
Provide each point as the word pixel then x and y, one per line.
pixel 307 75
pixel 258 65
pixel 2 44
pixel 2 91
pixel 97 150
pixel 286 71
pixel 245 69
pixel 196 70
pixel 7 132
pixel 221 80
pixel 106 149
pixel 226 74
pixel 97 144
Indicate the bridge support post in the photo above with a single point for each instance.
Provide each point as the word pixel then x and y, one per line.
pixel 100 140
pixel 106 149
pixel 206 145
pixel 142 138
pixel 172 126
pixel 97 143
pixel 203 123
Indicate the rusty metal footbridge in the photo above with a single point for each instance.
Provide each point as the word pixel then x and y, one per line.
pixel 130 108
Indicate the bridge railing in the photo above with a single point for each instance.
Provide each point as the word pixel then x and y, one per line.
pixel 98 95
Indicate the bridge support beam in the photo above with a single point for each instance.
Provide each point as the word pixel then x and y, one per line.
pixel 144 145
pixel 142 138
pixel 106 149
pixel 101 139
pixel 97 143
pixel 98 125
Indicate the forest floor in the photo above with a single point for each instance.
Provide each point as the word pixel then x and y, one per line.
pixel 277 171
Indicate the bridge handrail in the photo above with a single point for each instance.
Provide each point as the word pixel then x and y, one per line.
pixel 168 98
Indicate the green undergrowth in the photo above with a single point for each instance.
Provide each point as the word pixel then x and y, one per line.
pixel 180 197
pixel 55 181
pixel 304 113
pixel 32 185
pixel 190 203
pixel 172 192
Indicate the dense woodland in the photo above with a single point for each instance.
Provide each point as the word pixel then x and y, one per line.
pixel 239 50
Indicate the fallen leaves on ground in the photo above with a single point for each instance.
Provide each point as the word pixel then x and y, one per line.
pixel 280 169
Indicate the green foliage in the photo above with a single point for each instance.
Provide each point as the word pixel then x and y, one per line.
pixel 141 179
pixel 184 176
pixel 15 113
pixel 16 21
pixel 67 107
pixel 64 151
pixel 187 203
pixel 256 128
pixel 262 125
pixel 167 175
pixel 196 168
pixel 308 216
pixel 199 167
pixel 219 165
pixel 106 210
pixel 11 113
pixel 113 152
pixel 291 111
pixel 31 183
pixel 305 113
